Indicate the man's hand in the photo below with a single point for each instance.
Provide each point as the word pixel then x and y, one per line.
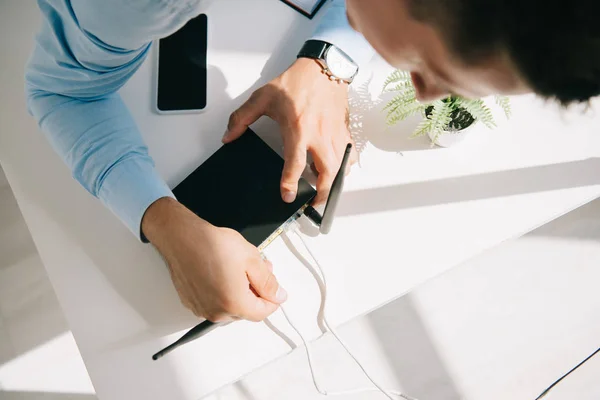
pixel 312 112
pixel 217 273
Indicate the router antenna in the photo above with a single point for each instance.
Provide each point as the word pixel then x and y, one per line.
pixel 326 220
pixel 199 330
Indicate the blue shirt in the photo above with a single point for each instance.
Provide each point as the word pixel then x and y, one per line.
pixel 85 52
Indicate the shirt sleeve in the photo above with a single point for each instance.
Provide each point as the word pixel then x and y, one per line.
pixel 84 52
pixel 334 28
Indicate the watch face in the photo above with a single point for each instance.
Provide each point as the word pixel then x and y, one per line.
pixel 339 64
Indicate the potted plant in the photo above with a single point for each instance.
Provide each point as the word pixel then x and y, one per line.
pixel 446 121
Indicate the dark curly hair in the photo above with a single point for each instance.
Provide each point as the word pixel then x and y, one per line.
pixel 555 45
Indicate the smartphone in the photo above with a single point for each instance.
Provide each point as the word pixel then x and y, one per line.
pixel 182 69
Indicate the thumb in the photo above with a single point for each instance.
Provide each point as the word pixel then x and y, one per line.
pixel 264 282
pixel 257 309
pixel 254 108
pixel 294 154
pixel 265 285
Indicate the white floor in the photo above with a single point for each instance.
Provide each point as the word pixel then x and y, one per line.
pixel 503 326
pixel 38 356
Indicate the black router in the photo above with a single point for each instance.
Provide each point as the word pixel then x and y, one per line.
pixel 238 188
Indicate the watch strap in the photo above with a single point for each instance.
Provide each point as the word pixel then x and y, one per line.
pixel 315 49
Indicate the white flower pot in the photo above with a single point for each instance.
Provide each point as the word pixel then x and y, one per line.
pixel 449 139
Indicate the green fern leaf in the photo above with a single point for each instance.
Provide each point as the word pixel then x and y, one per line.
pixel 504 103
pixel 398 105
pixel 406 96
pixel 423 127
pixel 399 87
pixel 403 112
pixel 397 76
pixel 437 121
pixel 479 111
pixel 440 115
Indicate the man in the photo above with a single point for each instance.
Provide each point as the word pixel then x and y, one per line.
pixel 88 49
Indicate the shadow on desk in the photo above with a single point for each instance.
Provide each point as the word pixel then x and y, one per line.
pixel 411 353
pixel 537 179
pixel 582 224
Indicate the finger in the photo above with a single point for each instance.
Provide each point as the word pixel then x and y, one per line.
pixel 264 293
pixel 294 154
pixel 257 308
pixel 324 181
pixel 264 283
pixel 266 260
pixel 326 163
pixel 246 115
pixel 339 143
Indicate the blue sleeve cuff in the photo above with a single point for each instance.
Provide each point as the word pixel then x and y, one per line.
pixel 334 28
pixel 129 188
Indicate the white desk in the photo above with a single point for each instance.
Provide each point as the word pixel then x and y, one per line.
pixel 403 219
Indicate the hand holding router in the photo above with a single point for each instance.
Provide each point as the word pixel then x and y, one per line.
pixel 238 188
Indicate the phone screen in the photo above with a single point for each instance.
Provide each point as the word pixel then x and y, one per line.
pixel 182 68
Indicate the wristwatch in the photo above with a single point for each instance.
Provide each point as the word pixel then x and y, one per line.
pixel 335 63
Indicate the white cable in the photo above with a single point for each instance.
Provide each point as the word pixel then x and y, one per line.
pixel 388 393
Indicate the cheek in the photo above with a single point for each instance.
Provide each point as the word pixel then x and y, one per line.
pixel 385 26
pixel 372 33
pixel 357 16
pixel 350 14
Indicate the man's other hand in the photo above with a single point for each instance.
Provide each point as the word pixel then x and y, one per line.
pixel 312 112
pixel 217 273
